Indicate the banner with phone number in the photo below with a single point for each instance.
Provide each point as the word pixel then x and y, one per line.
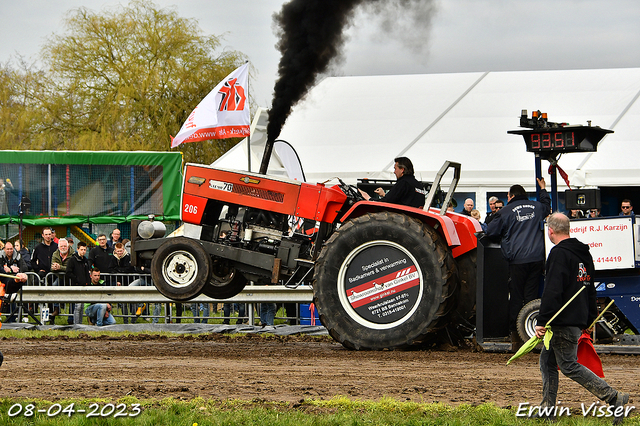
pixel 610 241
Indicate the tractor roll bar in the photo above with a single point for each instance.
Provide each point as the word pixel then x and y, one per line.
pixel 436 184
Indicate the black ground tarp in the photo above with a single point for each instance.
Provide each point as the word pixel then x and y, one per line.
pixel 190 328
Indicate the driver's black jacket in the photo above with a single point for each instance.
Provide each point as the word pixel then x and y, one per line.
pixel 407 191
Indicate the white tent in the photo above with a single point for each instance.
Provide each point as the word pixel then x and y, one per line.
pixel 353 127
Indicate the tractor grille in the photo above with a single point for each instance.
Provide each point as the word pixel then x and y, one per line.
pixel 258 193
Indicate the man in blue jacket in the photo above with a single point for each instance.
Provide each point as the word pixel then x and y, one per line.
pixel 519 226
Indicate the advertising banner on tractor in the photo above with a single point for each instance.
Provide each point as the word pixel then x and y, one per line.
pixel 382 284
pixel 610 241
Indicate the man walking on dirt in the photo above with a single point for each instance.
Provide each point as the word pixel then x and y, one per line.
pixel 569 267
pixel 519 225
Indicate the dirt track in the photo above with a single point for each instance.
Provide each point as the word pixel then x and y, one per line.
pixel 279 369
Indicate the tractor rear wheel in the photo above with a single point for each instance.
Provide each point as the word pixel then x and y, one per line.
pixel 225 281
pixel 180 268
pixel 384 280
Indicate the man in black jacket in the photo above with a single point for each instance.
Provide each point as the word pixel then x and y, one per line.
pixel 569 267
pixel 100 256
pixel 519 225
pixel 78 274
pixel 41 259
pixel 407 190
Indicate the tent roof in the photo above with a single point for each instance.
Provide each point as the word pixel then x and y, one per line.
pixel 353 127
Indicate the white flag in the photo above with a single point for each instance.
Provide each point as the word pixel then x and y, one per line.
pixel 223 113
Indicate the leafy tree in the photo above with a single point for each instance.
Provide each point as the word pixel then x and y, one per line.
pixel 126 79
pixel 18 119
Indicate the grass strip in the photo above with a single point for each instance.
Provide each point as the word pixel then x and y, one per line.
pixel 310 412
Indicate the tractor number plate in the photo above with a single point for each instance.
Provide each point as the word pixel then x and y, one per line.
pixel 221 186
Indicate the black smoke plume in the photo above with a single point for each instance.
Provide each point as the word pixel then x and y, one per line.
pixel 312 36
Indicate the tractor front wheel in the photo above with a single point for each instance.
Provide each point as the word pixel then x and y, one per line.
pixel 180 268
pixel 225 281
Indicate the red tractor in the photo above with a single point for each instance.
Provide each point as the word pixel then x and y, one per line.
pixel 383 275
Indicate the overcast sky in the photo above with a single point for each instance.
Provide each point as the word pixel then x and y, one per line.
pixel 465 35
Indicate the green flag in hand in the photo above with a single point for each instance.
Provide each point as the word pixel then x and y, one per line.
pixel 532 343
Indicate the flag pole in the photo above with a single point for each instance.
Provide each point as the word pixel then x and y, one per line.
pixel 249 152
pixel 248 137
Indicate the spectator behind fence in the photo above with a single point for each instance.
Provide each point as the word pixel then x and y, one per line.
pixel 24 253
pixel 41 259
pixel 59 262
pixel 121 264
pixel 267 313
pixel 71 249
pixel 60 258
pixel 11 262
pixel 79 275
pixel 53 236
pixel 226 311
pixel 100 256
pixel 127 245
pixel 98 313
pixel 115 238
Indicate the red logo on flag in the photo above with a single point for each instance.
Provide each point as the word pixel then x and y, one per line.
pixel 233 96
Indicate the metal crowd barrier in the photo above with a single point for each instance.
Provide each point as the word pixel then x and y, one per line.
pixel 42 290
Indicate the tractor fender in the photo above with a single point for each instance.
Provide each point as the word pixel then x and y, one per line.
pixel 456 229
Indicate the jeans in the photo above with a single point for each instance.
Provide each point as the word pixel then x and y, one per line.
pixel 157 310
pixel 226 312
pixel 267 313
pixel 96 314
pixel 562 353
pixel 77 313
pixel 132 307
pixel 204 307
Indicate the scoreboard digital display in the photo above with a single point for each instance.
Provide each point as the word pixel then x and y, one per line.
pixel 562 139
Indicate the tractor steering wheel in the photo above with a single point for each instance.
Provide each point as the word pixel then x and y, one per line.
pixel 350 191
